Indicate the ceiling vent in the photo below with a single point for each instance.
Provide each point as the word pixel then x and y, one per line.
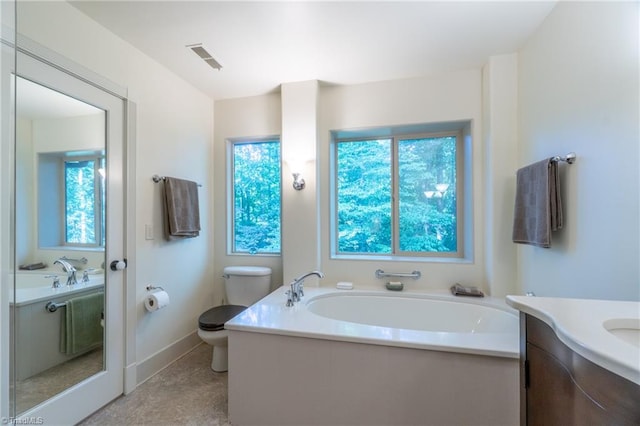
pixel 199 50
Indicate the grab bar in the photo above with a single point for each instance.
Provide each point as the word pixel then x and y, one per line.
pixel 382 274
pixel 53 306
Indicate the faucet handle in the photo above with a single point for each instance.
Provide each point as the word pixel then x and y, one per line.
pixel 289 298
pixel 300 290
pixel 85 276
pixel 56 281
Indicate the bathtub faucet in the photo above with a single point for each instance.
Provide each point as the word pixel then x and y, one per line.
pixel 297 287
pixel 70 270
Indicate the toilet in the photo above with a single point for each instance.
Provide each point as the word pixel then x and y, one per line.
pixel 244 285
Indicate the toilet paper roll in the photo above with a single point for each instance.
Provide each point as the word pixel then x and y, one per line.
pixel 156 300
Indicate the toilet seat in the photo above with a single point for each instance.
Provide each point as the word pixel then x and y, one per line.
pixel 214 318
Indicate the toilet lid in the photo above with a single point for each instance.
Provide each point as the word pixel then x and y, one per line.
pixel 214 318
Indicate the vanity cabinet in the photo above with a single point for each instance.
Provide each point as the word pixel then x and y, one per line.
pixel 560 387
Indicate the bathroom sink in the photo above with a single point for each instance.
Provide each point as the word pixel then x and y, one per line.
pixel 626 329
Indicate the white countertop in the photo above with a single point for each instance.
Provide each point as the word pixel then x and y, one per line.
pixel 578 323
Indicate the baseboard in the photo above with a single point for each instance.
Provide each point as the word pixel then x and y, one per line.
pixel 161 359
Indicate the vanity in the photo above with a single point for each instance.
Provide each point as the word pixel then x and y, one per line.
pixel 579 361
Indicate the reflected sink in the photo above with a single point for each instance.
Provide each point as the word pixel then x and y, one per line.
pixel 626 329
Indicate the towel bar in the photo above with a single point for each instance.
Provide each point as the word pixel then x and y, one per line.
pixel 570 158
pixel 158 178
pixel 53 306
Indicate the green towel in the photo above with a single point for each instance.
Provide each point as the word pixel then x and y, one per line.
pixel 81 329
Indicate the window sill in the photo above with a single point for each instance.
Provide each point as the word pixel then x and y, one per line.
pixel 365 258
pixel 73 248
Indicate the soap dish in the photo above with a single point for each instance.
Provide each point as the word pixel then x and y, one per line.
pixel 460 290
pixel 394 286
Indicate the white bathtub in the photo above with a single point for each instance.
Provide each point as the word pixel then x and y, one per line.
pixel 374 357
pixel 414 312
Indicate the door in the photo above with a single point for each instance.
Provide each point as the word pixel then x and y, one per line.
pixel 46 208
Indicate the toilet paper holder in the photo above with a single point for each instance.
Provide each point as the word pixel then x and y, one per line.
pixel 151 287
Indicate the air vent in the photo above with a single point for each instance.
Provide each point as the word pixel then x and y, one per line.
pixel 199 50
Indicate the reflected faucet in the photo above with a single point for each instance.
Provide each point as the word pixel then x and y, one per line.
pixel 69 269
pixel 297 288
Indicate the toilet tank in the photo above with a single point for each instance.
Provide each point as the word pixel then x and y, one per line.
pixel 245 285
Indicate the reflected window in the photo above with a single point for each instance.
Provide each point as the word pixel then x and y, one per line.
pixel 83 204
pixel 71 193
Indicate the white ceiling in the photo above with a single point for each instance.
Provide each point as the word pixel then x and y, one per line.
pixel 263 44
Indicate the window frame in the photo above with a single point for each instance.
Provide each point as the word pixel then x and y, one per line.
pixel 231 225
pixel 460 130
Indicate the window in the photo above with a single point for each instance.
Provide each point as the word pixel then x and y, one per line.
pixel 71 194
pixel 84 192
pixel 255 166
pixel 398 195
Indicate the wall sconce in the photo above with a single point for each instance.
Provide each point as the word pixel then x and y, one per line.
pixel 298 182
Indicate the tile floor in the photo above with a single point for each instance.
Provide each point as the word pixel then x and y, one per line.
pixel 187 392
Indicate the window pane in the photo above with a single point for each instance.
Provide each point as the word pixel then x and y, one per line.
pixel 79 202
pixel 364 196
pixel 256 197
pixel 427 189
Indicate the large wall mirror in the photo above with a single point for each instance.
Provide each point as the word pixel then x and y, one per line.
pixel 59 243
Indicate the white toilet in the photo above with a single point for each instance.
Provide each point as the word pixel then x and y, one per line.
pixel 244 285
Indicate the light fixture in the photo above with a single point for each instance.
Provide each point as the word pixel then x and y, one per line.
pixel 298 182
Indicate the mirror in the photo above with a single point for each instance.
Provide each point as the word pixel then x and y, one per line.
pixel 60 189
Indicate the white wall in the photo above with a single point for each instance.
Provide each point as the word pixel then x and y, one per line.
pixel 174 138
pixel 579 91
pixel 300 208
pixel 500 136
pixel 26 203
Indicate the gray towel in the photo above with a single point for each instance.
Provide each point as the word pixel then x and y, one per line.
pixel 538 208
pixel 182 208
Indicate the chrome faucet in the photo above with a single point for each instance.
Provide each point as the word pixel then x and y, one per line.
pixel 297 287
pixel 69 269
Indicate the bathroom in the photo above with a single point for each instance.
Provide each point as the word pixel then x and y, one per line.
pixel 565 88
